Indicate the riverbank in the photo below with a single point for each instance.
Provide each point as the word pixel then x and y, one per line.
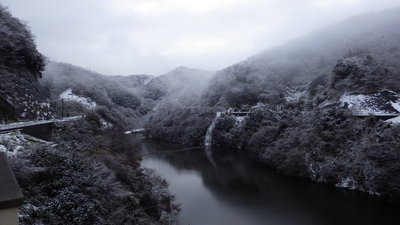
pixel 236 191
pixel 324 145
pixel 86 175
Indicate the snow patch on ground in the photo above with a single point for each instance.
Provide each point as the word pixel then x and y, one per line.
pixel 11 143
pixel 67 95
pixel 44 105
pixel 396 105
pixel 350 183
pixel 294 97
pixel 105 124
pixel 156 107
pixel 347 183
pixel 259 105
pixel 239 119
pixel 359 104
pixel 384 103
pixel 135 131
pixel 3 148
pixel 325 103
pixel 353 100
pixel 395 120
pixel 27 207
pixel 14 142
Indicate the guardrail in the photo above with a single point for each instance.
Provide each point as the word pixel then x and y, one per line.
pixel 19 125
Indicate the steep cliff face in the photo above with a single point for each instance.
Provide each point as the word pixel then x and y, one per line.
pixel 21 96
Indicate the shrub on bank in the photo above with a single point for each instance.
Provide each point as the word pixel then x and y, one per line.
pixel 86 182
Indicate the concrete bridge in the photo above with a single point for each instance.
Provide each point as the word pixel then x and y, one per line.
pixel 39 128
pixel 20 125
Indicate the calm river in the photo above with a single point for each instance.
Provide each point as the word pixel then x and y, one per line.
pixel 234 191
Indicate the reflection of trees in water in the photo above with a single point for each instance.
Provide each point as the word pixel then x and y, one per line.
pixel 251 186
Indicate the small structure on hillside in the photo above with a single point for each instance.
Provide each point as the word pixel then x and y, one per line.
pixel 11 197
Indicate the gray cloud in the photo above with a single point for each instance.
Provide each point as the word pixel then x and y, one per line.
pixel 154 36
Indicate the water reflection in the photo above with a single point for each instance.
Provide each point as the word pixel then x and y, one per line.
pixel 237 192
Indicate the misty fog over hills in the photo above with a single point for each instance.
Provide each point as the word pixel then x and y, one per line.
pixel 296 93
pixel 210 147
pixel 296 64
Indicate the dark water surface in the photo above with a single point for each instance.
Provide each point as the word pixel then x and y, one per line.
pixel 238 192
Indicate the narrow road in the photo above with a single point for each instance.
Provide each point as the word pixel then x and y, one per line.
pixel 19 125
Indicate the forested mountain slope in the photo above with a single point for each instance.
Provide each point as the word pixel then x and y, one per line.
pixel 298 96
pixel 175 93
pixel 85 174
pixel 316 69
pixel 121 100
pixel 180 83
pixel 21 96
pixel 266 77
pixel 133 82
pixel 110 96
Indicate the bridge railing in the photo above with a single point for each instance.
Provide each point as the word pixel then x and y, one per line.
pixel 183 149
pixel 367 113
pixel 19 125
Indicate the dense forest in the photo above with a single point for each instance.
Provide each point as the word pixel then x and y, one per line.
pixel 116 103
pixel 87 173
pixel 315 108
pixel 91 176
pixel 299 123
pixel 20 67
pixel 123 101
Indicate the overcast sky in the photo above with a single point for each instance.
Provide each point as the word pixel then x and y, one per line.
pixel 154 36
